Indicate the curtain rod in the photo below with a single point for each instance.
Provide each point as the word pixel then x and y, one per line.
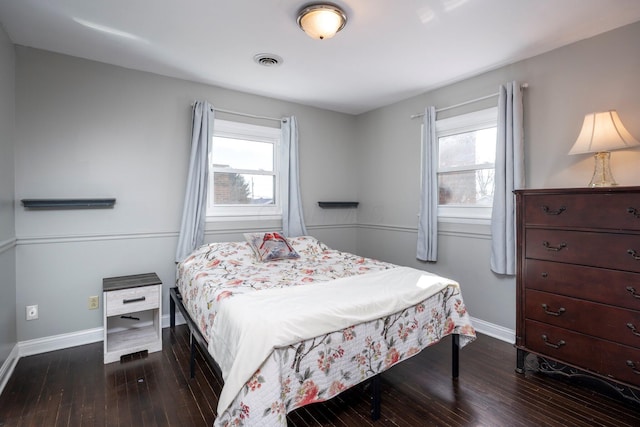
pixel 237 113
pixel 471 101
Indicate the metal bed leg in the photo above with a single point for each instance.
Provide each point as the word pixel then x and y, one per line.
pixel 520 357
pixel 192 358
pixel 375 397
pixel 455 356
pixel 172 311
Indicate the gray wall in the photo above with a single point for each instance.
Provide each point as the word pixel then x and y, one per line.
pixel 597 74
pixel 7 226
pixel 87 129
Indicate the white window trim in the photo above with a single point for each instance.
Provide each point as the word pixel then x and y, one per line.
pixel 476 120
pixel 230 129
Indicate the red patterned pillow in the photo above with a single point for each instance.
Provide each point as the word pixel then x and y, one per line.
pixel 270 246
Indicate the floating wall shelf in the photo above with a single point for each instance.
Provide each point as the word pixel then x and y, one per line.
pixel 338 204
pixel 68 203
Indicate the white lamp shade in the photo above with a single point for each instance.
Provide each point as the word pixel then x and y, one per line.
pixel 603 132
pixel 321 21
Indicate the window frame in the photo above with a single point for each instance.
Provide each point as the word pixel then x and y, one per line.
pixel 248 132
pixel 468 122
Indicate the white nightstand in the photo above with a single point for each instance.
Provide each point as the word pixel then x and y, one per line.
pixel 132 315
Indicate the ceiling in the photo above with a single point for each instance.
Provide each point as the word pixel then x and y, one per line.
pixel 390 50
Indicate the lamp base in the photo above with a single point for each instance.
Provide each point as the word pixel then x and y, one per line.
pixel 602 176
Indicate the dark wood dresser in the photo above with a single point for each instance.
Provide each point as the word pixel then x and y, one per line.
pixel 578 278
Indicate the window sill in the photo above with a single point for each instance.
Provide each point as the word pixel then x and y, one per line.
pixel 240 218
pixel 465 220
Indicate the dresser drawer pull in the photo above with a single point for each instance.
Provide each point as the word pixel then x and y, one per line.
pixel 544 274
pixel 634 331
pixel 554 248
pixel 552 345
pixel 553 212
pixel 633 291
pixel 634 254
pixel 633 211
pixel 561 310
pixel 129 301
pixel 633 367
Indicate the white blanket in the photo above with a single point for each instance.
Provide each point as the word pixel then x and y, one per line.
pixel 249 326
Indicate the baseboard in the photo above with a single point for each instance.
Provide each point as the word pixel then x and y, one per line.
pixel 57 342
pixel 496 331
pixel 88 336
pixel 8 366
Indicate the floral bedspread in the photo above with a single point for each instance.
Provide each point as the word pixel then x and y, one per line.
pixel 316 369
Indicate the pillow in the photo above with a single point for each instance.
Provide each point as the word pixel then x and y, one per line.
pixel 307 246
pixel 270 246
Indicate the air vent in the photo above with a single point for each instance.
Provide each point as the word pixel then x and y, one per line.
pixel 267 59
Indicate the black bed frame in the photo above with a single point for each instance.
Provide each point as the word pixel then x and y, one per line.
pixel 195 336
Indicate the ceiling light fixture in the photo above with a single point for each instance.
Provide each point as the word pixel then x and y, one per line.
pixel 322 20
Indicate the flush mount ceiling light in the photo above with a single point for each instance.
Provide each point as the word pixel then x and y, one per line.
pixel 321 21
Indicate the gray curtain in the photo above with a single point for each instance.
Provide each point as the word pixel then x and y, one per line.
pixel 428 220
pixel 292 219
pixel 509 176
pixel 194 211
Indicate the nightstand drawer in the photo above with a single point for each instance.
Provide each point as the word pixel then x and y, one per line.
pixel 132 300
pixel 614 210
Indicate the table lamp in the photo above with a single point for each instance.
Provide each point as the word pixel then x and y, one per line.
pixel 602 133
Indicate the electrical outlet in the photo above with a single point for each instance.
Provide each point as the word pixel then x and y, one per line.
pixel 32 312
pixel 94 302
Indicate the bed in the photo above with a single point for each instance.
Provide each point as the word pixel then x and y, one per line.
pixel 290 322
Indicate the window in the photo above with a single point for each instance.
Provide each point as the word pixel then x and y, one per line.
pixel 466 164
pixel 244 171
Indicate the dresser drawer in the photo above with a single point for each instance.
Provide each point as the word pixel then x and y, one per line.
pixel 600 320
pixel 614 210
pixel 613 287
pixel 132 299
pixel 603 357
pixel 608 250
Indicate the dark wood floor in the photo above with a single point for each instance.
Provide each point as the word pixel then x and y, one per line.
pixel 72 387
